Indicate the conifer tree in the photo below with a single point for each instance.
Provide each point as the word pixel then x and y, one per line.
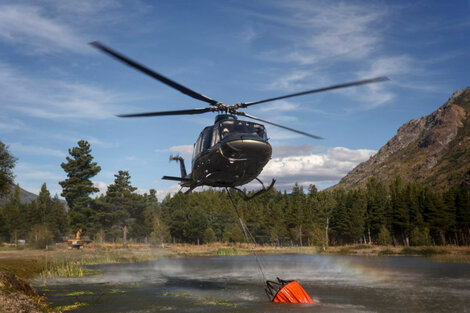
pixel 13 217
pixel 7 163
pixel 78 187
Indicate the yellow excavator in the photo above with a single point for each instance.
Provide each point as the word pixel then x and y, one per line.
pixel 76 242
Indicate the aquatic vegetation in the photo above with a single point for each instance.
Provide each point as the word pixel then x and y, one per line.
pixel 64 308
pixel 66 269
pixel 114 291
pixel 79 293
pixel 214 301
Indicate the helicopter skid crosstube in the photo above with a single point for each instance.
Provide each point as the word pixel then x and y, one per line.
pixel 257 193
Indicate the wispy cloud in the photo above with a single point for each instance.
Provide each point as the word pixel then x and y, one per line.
pixel 54 99
pixel 29 25
pixel 8 125
pixel 247 35
pixel 326 31
pixel 35 150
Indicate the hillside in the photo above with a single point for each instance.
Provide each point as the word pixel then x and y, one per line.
pixel 433 150
pixel 26 197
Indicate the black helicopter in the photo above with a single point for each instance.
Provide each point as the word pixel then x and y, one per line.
pixel 231 152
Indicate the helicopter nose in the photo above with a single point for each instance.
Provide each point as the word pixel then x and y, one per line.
pixel 240 149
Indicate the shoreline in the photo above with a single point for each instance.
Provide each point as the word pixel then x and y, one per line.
pixel 16 294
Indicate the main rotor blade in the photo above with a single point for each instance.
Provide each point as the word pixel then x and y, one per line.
pixel 345 85
pixel 153 74
pixel 177 112
pixel 285 127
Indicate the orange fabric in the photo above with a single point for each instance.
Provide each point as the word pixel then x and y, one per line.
pixel 292 293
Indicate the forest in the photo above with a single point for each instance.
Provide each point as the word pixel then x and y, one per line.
pixel 396 213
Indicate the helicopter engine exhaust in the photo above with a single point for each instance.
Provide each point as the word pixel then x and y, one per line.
pixel 181 160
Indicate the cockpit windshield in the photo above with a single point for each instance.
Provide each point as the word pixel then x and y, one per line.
pixel 229 127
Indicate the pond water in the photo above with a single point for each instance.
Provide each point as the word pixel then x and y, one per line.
pixel 234 284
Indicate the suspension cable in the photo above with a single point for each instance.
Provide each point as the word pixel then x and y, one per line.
pixel 249 238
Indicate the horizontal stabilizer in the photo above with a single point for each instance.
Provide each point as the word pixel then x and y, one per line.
pixel 177 178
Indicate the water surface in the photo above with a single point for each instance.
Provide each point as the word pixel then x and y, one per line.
pixel 234 284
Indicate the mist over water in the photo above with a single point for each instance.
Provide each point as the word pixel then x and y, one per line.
pixel 234 284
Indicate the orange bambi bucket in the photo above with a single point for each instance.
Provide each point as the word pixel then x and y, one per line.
pixel 284 291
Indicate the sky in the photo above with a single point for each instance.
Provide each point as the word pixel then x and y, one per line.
pixel 56 89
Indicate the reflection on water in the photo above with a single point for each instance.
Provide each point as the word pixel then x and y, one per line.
pixel 228 284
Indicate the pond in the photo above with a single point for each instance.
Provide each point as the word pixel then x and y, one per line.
pixel 234 284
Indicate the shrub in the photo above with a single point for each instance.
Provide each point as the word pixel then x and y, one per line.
pixel 40 236
pixel 384 237
pixel 420 236
pixel 209 235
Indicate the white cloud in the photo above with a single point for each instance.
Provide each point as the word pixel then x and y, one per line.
pixel 304 168
pixel 102 186
pixel 162 193
pixel 185 150
pixel 29 25
pixel 291 150
pixel 54 99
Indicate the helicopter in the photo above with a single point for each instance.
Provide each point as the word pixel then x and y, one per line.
pixel 231 152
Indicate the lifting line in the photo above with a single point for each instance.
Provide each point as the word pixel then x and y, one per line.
pixel 249 238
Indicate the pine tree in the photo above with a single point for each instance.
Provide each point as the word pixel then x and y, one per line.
pixel 7 163
pixel 13 217
pixel 78 187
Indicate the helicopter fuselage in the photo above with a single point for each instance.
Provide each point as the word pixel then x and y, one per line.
pixel 229 153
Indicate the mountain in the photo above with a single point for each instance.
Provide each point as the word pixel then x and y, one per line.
pixel 26 197
pixel 433 150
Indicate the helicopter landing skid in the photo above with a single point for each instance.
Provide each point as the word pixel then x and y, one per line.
pixel 259 192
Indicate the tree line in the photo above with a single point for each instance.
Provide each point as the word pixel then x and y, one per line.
pixel 399 213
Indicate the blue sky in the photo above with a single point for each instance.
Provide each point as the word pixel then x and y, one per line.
pixel 55 89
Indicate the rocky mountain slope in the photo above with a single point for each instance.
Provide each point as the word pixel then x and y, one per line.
pixel 434 149
pixel 25 196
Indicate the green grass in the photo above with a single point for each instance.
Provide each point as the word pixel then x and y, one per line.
pixel 344 251
pixel 386 252
pixel 360 247
pixel 423 251
pixel 230 252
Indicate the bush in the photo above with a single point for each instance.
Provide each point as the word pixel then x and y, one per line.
pixel 420 237
pixel 317 236
pixel 209 235
pixel 384 237
pixel 40 237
